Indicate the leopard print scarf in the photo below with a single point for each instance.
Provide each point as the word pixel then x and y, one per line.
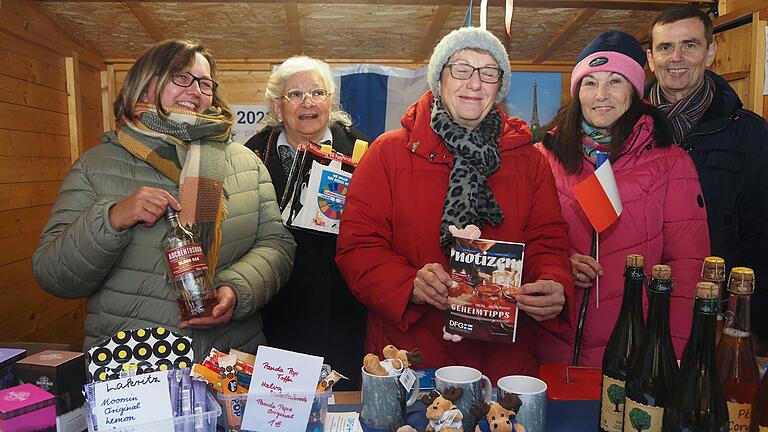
pixel 469 200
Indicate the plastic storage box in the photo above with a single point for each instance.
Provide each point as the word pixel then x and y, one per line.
pixel 203 422
pixel 234 407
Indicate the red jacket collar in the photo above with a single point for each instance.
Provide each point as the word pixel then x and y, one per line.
pixel 426 143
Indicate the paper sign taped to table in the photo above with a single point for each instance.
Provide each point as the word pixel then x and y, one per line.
pixel 132 401
pixel 342 422
pixel 282 390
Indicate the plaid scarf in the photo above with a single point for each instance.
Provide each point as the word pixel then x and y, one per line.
pixel 686 112
pixel 188 148
pixel 469 200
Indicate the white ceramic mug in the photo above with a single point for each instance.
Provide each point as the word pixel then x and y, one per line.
pixel 533 393
pixel 477 388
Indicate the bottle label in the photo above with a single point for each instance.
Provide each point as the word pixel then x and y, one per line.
pixel 738 416
pixel 186 259
pixel 612 405
pixel 642 418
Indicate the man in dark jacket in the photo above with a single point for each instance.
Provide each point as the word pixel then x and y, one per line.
pixel 728 144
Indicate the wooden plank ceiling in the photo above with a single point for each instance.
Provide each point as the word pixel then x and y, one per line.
pixel 396 31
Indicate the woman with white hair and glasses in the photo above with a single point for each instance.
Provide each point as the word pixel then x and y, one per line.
pixel 314 313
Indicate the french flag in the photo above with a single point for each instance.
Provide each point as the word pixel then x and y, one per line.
pixel 599 196
pixel 376 96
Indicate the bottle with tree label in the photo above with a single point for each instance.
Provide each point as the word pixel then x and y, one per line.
pixel 188 269
pixel 653 372
pixel 698 403
pixel 736 361
pixel 622 345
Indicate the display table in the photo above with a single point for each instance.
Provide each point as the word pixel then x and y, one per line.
pixel 562 416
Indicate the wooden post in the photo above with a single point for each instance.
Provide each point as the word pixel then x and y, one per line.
pixel 108 97
pixel 757 77
pixel 74 104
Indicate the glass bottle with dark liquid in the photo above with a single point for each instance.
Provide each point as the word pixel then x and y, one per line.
pixel 759 413
pixel 736 361
pixel 713 270
pixel 188 270
pixel 653 372
pixel 622 346
pixel 698 403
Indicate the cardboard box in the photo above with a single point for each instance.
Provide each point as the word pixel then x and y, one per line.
pixel 27 407
pixel 9 356
pixel 57 372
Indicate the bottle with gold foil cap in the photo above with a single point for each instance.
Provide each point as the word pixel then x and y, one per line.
pixel 622 346
pixel 713 270
pixel 653 372
pixel 736 361
pixel 698 403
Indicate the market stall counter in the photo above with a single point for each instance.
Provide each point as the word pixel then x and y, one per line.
pixel 562 415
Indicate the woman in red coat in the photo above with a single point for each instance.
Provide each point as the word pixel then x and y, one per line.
pixel 458 160
pixel 663 215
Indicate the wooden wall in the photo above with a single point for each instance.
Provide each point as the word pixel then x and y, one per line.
pixel 35 154
pixel 741 51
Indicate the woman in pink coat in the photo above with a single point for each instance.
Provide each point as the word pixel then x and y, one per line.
pixel 663 216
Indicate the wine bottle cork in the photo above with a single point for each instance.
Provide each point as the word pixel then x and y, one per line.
pixel 635 260
pixel 713 269
pixel 661 272
pixel 742 280
pixel 707 290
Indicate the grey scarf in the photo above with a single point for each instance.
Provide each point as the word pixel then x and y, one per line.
pixel 469 200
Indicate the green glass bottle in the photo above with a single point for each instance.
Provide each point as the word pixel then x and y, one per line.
pixel 654 369
pixel 622 345
pixel 698 401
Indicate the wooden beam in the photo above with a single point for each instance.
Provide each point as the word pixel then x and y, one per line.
pixel 145 19
pixel 430 39
pixel 294 26
pixel 600 4
pixel 564 34
pixel 74 104
pixel 757 79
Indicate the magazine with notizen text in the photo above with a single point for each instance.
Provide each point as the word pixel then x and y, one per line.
pixel 482 299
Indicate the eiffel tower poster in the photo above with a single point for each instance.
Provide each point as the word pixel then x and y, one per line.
pixel 535 98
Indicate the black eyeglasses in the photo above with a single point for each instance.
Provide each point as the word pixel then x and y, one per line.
pixel 463 71
pixel 207 86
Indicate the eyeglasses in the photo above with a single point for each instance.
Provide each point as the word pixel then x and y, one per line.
pixel 296 97
pixel 463 71
pixel 206 86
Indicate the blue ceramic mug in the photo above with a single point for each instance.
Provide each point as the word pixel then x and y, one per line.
pixel 533 393
pixel 476 386
pixel 384 401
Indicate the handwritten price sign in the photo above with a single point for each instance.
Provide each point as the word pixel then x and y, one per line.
pixel 133 401
pixel 282 390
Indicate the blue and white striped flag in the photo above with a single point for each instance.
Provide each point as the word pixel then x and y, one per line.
pixel 377 96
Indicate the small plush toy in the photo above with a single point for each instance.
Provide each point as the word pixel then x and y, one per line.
pixel 372 365
pixel 498 416
pixel 402 359
pixel 397 361
pixel 441 411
